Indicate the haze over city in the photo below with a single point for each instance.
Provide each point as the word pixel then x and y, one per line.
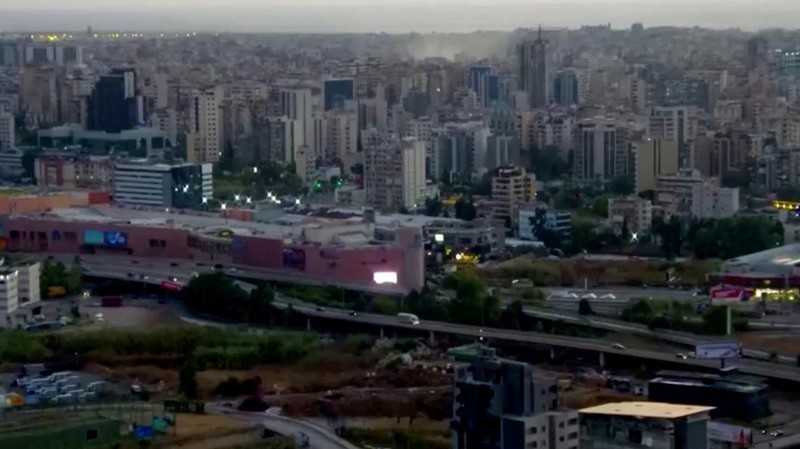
pixel 392 16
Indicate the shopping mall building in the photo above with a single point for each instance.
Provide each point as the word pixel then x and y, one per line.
pixel 320 248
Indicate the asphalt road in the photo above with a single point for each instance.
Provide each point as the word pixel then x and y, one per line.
pixel 156 271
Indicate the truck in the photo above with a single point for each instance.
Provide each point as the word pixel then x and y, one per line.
pixel 111 301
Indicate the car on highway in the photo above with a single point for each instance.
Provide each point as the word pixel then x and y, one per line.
pixel 218 266
pixel 352 313
pixel 173 264
pixel 681 356
pixel 619 346
pixel 776 433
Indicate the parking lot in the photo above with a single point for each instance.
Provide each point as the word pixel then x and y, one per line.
pixel 38 385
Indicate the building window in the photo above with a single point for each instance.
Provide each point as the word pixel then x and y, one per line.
pixel 56 235
pixel 91 434
pixel 162 243
pixel 152 243
pixel 70 236
pixel 14 235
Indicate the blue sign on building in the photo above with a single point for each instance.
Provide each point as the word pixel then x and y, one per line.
pixel 92 237
pixel 143 432
pixel 114 239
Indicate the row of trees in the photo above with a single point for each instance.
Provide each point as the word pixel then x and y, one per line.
pixel 678 315
pixel 219 295
pixel 56 274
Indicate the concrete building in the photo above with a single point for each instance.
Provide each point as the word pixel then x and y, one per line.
pixel 74 171
pixel 394 173
pixel 205 125
pixel 7 131
pixel 657 425
pixel 166 121
pixel 533 75
pixel 459 151
pixel 114 104
pixel 710 201
pixel 11 164
pixel 143 182
pixel 601 151
pixel 511 187
pixel 9 296
pixel 138 142
pixel 499 403
pixel 340 141
pixel 675 193
pixel 535 216
pixel 634 212
pixel 318 250
pixel 653 158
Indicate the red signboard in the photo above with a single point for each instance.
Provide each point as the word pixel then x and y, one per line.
pixel 169 285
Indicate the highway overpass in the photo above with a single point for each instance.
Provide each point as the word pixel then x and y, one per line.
pixel 155 272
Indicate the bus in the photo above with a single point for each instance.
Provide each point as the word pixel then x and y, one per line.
pixel 408 318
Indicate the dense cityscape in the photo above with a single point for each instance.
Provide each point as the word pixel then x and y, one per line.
pixel 542 238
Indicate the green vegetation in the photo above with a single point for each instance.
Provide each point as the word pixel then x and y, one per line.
pixel 395 438
pixel 727 238
pixel 472 304
pixel 54 277
pixel 218 295
pixel 210 348
pixel 666 314
pixel 236 178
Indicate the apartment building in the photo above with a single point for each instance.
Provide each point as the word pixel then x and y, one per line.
pixel 148 183
pixel 634 212
pixel 499 403
pixel 394 173
pixel 656 425
pixel 74 171
pixel 511 187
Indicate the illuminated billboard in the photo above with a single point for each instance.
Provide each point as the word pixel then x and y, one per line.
pixel 385 277
pixel 115 239
pixel 724 350
pixel 92 237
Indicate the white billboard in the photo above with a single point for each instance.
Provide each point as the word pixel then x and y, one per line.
pixel 385 277
pixel 730 433
pixel 722 350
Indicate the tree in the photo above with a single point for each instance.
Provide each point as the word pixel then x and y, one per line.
pixel 465 209
pixel 583 234
pixel 549 164
pixel 216 294
pixel 600 206
pixel 584 307
pixel 433 207
pixel 471 305
pixel 187 377
pixel 484 185
pixel 638 311
pixel 622 185
pixel 260 305
pixel 514 315
pixel 383 306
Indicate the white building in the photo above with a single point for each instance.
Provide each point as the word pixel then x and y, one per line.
pixel 340 141
pixel 11 163
pixel 7 127
pixel 205 127
pixel 9 296
pixel 709 201
pixel 166 120
pixel 394 173
pixel 145 183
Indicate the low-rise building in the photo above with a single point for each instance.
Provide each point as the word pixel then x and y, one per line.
pixel 73 171
pixel 160 184
pixel 657 425
pixel 634 212
pixel 499 403
pixel 710 201
pixel 535 216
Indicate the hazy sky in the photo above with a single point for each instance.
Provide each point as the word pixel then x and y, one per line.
pixel 388 15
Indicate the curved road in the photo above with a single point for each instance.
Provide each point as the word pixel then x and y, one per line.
pixel 120 268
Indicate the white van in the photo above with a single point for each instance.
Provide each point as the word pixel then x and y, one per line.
pixel 408 318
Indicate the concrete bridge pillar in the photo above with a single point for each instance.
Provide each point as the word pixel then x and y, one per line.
pixel 602 360
pixel 382 333
pixel 308 323
pixel 432 338
pixel 552 353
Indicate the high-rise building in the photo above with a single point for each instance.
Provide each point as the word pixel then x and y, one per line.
pixel 756 52
pixel 114 105
pixel 147 183
pixel 600 152
pixel 458 152
pixel 341 137
pixel 479 82
pixel 7 131
pixel 38 96
pixel 297 107
pixel 511 187
pixel 653 158
pixel 533 75
pixel 166 120
pixel 565 88
pixel 499 403
pixel 624 425
pixel 394 173
pixel 336 92
pixel 205 126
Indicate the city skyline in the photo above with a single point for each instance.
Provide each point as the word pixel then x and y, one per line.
pixel 360 16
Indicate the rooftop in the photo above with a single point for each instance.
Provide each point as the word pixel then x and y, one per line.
pixel 784 257
pixel 656 410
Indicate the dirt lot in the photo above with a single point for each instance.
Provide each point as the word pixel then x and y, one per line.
pixel 145 313
pixel 780 342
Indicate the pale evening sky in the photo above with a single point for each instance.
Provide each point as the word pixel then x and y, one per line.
pixel 387 15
